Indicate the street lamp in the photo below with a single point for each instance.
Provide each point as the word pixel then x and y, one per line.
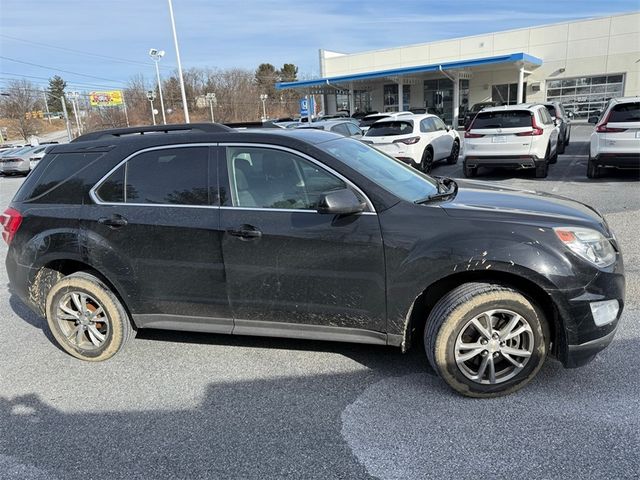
pixel 213 101
pixel 263 98
pixel 151 95
pixel 175 41
pixel 156 55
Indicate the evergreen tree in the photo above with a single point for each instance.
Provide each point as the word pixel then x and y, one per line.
pixel 54 94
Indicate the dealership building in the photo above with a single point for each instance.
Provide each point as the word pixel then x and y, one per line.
pixel 581 63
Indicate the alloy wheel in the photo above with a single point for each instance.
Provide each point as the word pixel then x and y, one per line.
pixel 494 346
pixel 82 320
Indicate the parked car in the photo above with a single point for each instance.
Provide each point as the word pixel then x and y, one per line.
pixel 562 119
pixel 615 141
pixel 346 127
pixel 418 140
pixel 473 111
pixel 514 136
pixel 36 155
pixel 17 161
pixel 307 234
pixel 369 120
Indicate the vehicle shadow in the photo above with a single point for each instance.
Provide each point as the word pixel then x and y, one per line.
pixel 385 359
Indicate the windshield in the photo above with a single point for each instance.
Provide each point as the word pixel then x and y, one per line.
pixel 502 119
pixel 385 129
pixel 387 172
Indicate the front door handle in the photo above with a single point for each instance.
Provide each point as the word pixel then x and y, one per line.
pixel 245 232
pixel 114 221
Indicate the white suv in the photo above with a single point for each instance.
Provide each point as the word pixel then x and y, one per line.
pixel 518 136
pixel 418 140
pixel 615 142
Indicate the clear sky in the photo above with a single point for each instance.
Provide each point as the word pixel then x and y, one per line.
pixel 107 41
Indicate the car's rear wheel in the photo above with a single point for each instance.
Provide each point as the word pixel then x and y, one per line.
pixel 559 148
pixel 593 169
pixel 426 164
pixel 470 172
pixel 542 169
pixel 86 318
pixel 455 151
pixel 486 340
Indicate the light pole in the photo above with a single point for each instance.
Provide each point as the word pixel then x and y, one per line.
pixel 156 55
pixel 74 102
pixel 213 101
pixel 263 98
pixel 151 95
pixel 175 41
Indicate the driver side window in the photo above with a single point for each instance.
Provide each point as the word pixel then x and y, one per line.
pixel 270 178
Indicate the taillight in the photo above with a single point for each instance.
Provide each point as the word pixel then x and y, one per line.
pixel 536 130
pixel 604 129
pixel 408 141
pixel 468 134
pixel 10 221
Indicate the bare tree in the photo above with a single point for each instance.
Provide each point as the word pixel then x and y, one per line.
pixel 18 106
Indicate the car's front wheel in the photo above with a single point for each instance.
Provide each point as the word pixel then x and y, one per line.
pixel 86 318
pixel 486 340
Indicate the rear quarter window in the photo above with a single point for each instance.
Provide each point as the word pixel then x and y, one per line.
pixel 57 180
pixel 385 129
pixel 625 112
pixel 508 119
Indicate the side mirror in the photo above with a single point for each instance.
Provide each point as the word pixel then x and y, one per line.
pixel 570 114
pixel 593 119
pixel 449 127
pixel 340 202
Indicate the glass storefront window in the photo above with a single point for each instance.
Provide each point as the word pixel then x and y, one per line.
pixel 390 95
pixel 507 94
pixel 585 96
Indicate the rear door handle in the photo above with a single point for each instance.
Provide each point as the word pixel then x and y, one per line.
pixel 114 221
pixel 245 232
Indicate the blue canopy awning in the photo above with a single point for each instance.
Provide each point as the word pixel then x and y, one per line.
pixel 434 67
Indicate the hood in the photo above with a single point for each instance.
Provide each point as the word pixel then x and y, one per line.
pixel 480 200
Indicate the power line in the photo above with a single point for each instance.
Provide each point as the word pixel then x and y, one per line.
pixel 73 50
pixel 59 70
pixel 69 84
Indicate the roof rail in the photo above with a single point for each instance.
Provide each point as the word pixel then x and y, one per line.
pixel 258 124
pixel 177 128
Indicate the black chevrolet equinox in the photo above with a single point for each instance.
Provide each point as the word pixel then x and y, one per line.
pixel 307 234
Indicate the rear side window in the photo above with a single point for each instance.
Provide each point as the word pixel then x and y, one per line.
pixel 385 129
pixel 625 112
pixel 552 110
pixel 340 128
pixel 58 180
pixel 176 176
pixel 506 119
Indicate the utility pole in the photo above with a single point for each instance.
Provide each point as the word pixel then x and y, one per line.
pixel 66 117
pixel 46 105
pixel 126 114
pixel 151 95
pixel 263 98
pixel 213 101
pixel 74 102
pixel 175 41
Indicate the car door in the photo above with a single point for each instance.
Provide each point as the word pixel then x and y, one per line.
pixel 154 222
pixel 443 141
pixel 290 270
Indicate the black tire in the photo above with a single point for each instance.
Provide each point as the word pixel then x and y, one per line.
pixel 593 169
pixel 114 324
pixel 450 318
pixel 566 143
pixel 470 172
pixel 559 149
pixel 542 170
pixel 426 163
pixel 455 151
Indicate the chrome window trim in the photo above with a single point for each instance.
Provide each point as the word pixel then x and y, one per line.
pixel 94 196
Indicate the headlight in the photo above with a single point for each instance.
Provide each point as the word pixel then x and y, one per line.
pixel 588 244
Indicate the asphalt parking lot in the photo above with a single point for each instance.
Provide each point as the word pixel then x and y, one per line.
pixel 183 405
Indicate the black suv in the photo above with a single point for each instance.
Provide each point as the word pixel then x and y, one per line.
pixel 307 234
pixel 562 119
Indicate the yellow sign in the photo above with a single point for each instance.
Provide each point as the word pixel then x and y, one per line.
pixel 34 114
pixel 106 99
